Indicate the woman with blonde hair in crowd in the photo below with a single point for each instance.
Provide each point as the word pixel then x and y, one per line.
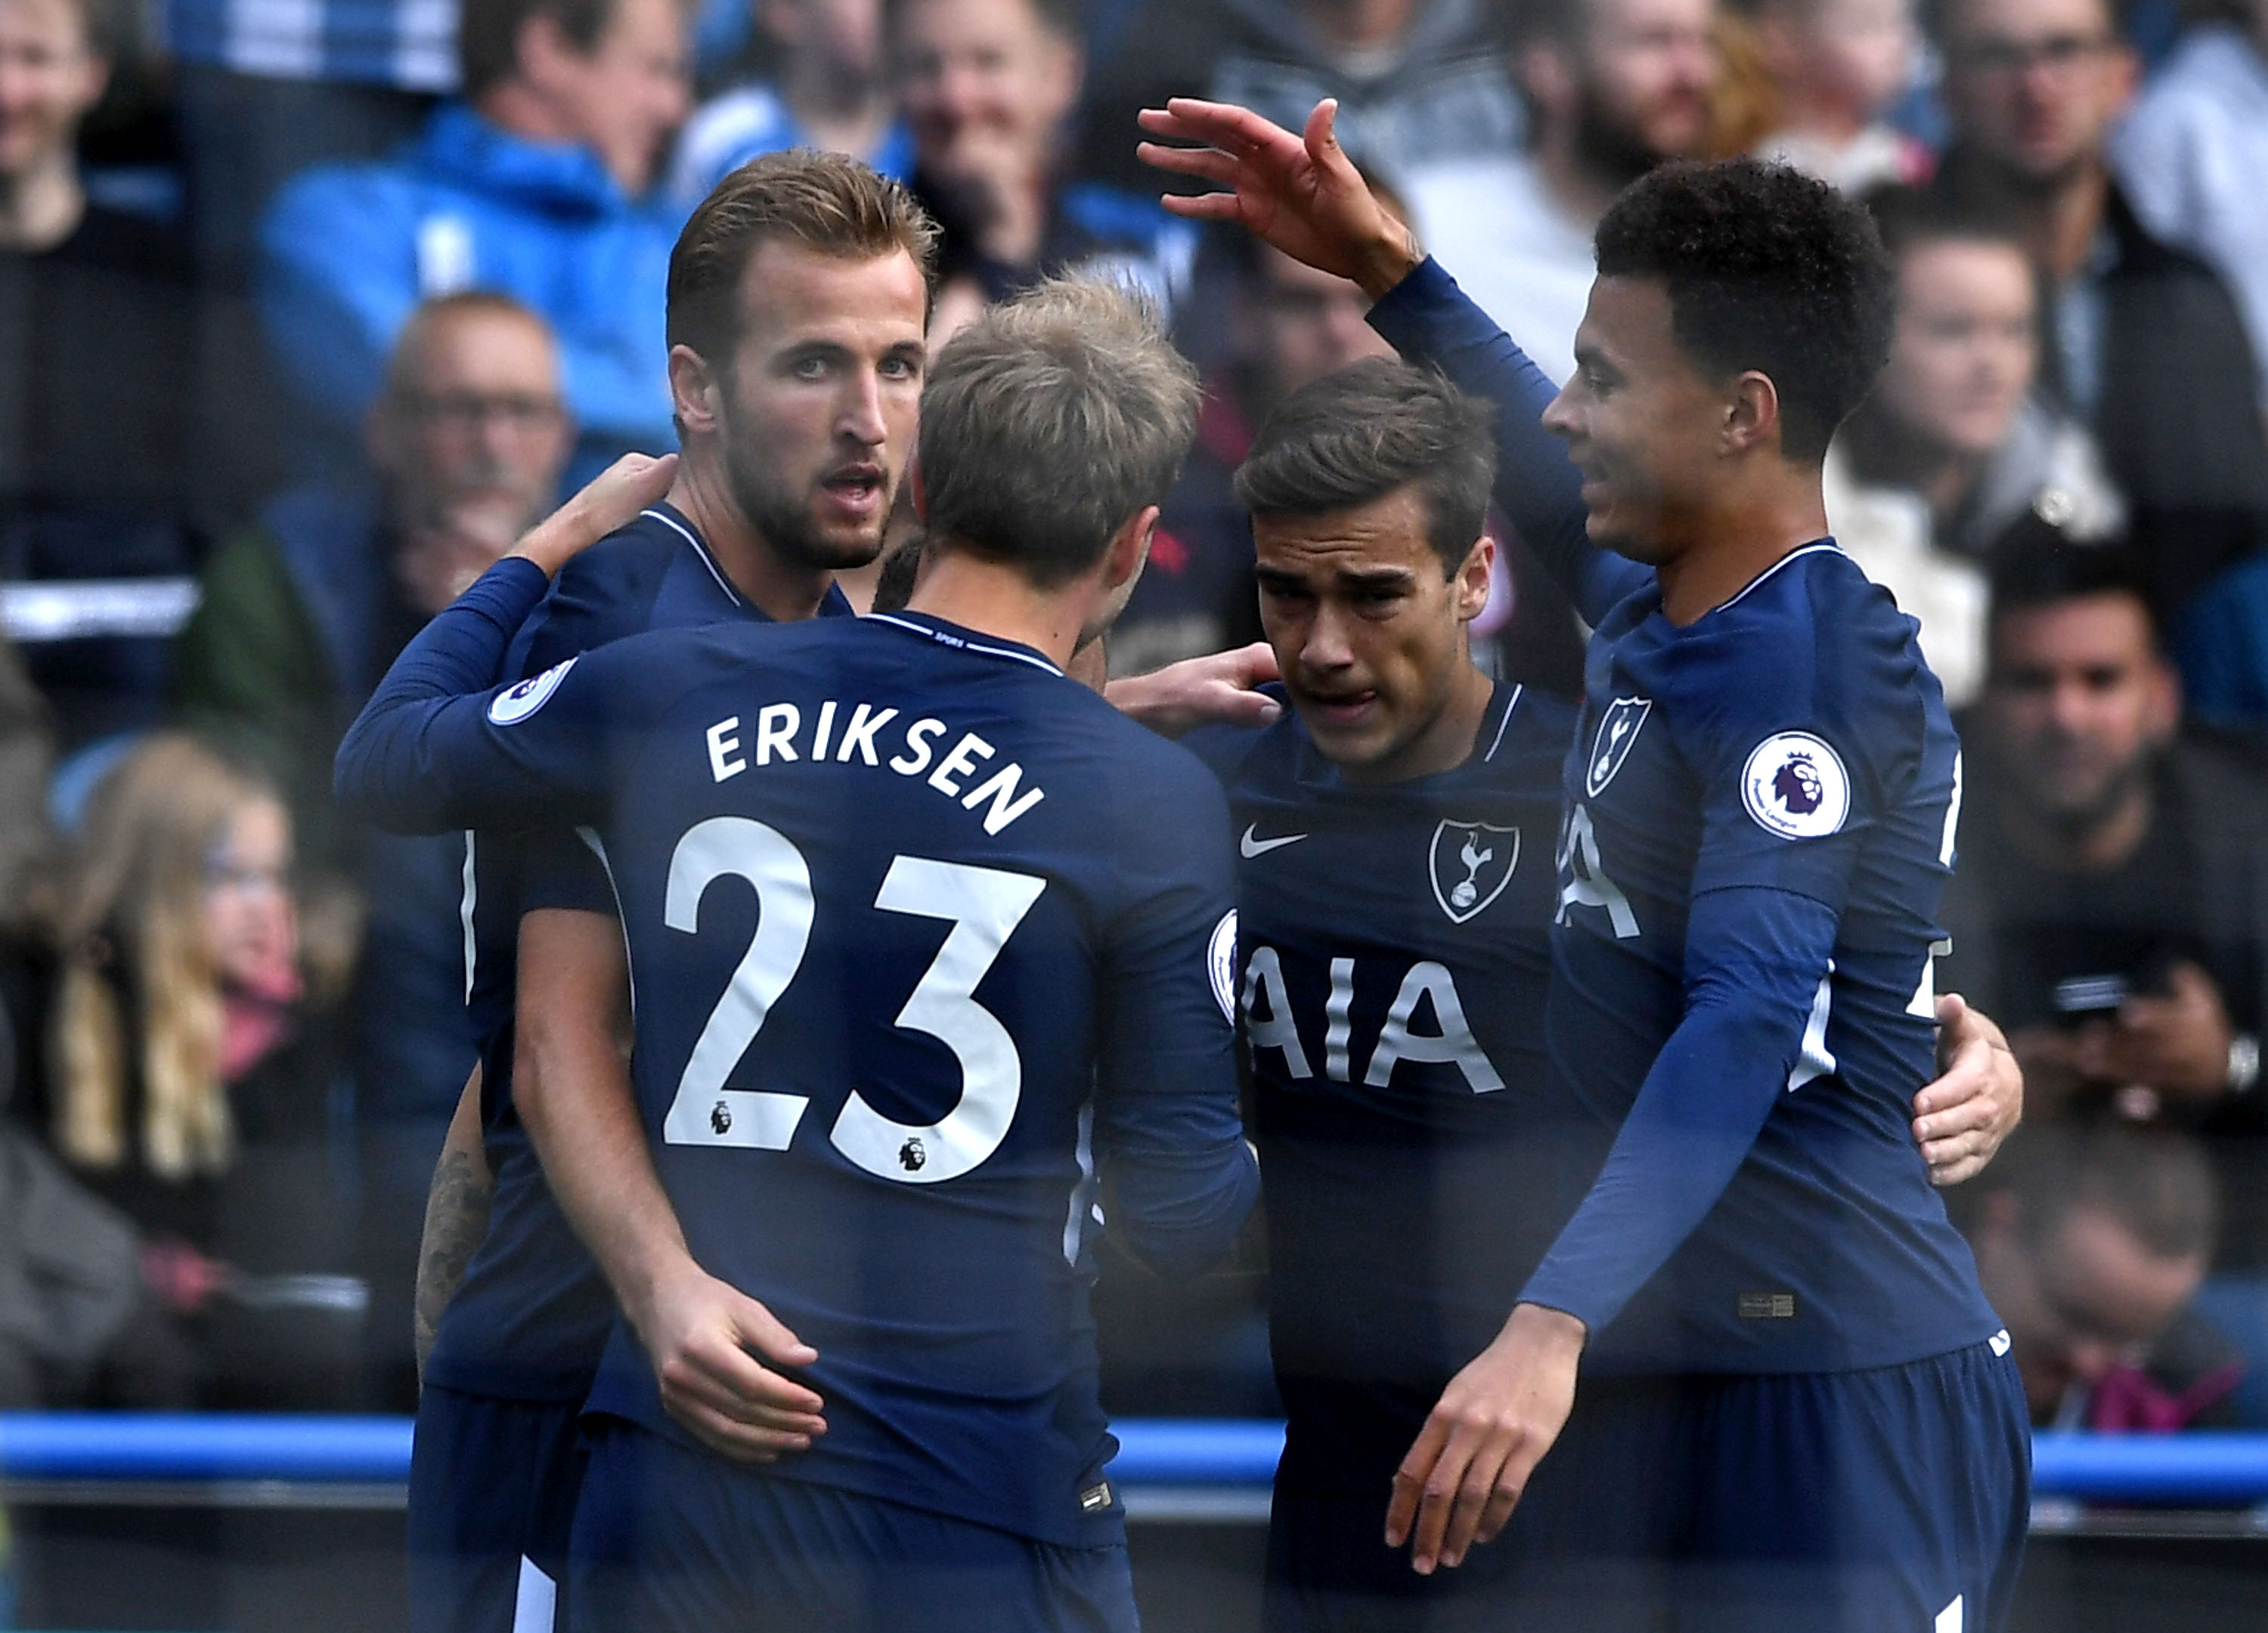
pixel 190 1077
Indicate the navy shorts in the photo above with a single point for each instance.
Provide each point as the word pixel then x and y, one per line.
pixel 492 1490
pixel 1893 1500
pixel 1330 1571
pixel 672 1540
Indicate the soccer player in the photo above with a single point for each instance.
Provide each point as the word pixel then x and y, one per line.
pixel 903 918
pixel 1395 894
pixel 1395 902
pixel 799 295
pixel 1800 1412
pixel 798 299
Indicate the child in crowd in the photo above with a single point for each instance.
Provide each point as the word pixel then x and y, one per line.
pixel 189 1077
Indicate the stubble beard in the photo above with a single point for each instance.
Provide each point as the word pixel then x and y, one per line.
pixel 782 517
pixel 1611 143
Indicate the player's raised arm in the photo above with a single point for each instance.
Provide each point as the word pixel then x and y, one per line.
pixel 1304 195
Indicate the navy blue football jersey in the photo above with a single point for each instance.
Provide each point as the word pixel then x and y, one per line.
pixel 1761 816
pixel 902 904
pixel 1393 958
pixel 531 1316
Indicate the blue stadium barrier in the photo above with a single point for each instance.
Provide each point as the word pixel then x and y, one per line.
pixel 2197 1469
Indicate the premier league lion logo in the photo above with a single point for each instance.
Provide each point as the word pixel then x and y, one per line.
pixel 1798 786
pixel 1794 785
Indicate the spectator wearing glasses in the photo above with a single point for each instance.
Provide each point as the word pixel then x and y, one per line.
pixel 300 618
pixel 2145 343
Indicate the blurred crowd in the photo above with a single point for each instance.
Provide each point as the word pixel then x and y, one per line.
pixel 310 307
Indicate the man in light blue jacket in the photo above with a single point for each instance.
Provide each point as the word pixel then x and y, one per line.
pixel 533 186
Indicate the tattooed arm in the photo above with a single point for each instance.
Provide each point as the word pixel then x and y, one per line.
pixel 456 1216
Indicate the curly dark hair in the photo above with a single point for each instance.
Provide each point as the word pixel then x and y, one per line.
pixel 1768 269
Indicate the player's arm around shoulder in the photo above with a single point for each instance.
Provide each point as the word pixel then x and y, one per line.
pixel 1181 1176
pixel 436 747
pixel 707 1340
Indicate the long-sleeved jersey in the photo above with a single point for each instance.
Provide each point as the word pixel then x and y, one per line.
pixel 905 910
pixel 1760 811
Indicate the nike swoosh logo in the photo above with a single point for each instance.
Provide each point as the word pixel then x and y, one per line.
pixel 1249 847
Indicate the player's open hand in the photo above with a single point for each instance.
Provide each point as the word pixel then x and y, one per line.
pixel 1492 1425
pixel 1302 194
pixel 609 500
pixel 1961 1119
pixel 705 1337
pixel 1216 690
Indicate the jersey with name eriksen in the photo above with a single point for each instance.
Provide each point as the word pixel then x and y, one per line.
pixel 902 903
pixel 1791 750
pixel 1393 958
pixel 531 1316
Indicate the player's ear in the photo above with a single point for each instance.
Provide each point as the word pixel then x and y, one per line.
pixel 1751 414
pixel 695 392
pixel 1130 548
pixel 1469 583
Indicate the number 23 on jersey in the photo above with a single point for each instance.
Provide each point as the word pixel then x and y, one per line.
pixel 984 905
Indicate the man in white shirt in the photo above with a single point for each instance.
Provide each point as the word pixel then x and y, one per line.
pixel 1614 88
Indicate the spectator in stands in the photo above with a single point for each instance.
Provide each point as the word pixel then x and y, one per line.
pixel 299 616
pixel 95 406
pixel 1614 88
pixel 265 91
pixel 1954 444
pixel 986 87
pixel 2145 344
pixel 1839 66
pixel 532 186
pixel 190 1077
pixel 1419 82
pixel 2111 903
pixel 299 619
pixel 830 91
pixel 2091 1244
pixel 2192 156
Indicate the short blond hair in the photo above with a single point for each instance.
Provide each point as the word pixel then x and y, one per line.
pixel 1049 421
